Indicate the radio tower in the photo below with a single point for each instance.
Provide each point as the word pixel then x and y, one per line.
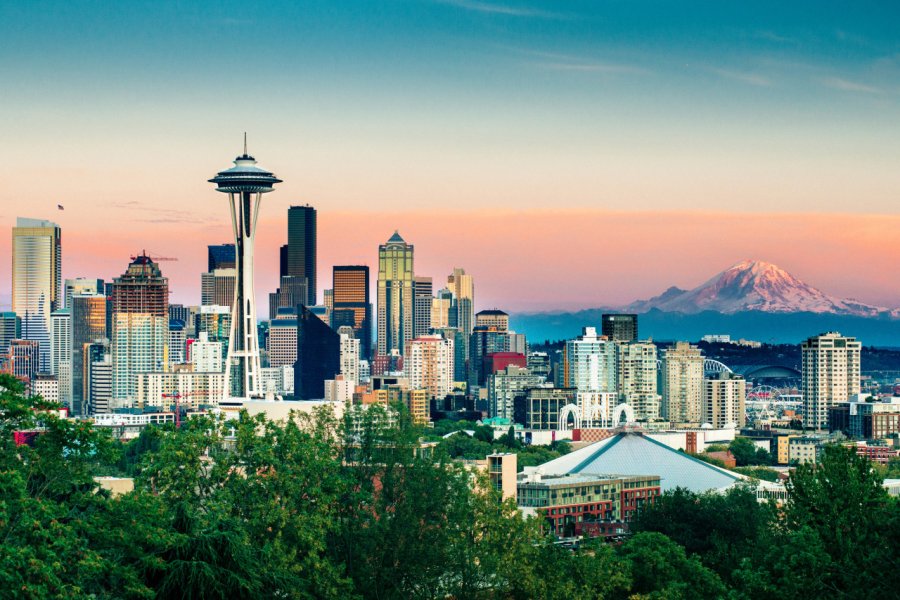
pixel 245 183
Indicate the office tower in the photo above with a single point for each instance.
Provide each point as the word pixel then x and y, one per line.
pixel 395 295
pixel 301 249
pixel 541 406
pixel 440 309
pixel 484 342
pixel 24 356
pixel 463 288
pixel 177 342
pixel 503 387
pixel 539 364
pixel 350 302
pixel 681 374
pixel 220 256
pixel 36 280
pixel 82 285
pixel 217 287
pixel 428 365
pixel 636 376
pixel 206 355
pixel 422 297
pixel 88 323
pixel 100 384
pixel 723 400
pixel 620 327
pixel 291 292
pixel 283 260
pixel 10 329
pixel 328 300
pixel 140 324
pixel 349 355
pixel 282 342
pixel 318 356
pixel 61 352
pixel 829 375
pixel 590 363
pixel 180 312
pixel 492 318
pixel 245 183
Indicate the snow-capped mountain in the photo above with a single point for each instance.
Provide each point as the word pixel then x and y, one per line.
pixel 754 285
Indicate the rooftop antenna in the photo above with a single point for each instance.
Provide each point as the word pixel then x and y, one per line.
pixel 245 143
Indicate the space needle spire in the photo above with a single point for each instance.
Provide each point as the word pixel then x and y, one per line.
pixel 245 183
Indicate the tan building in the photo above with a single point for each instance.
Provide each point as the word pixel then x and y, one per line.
pixel 636 378
pixel 429 365
pixel 395 295
pixel 492 318
pixel 681 373
pixel 723 401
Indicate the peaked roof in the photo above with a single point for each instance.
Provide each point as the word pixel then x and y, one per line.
pixel 396 238
pixel 633 453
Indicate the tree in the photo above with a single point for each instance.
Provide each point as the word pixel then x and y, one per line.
pixel 660 568
pixel 747 453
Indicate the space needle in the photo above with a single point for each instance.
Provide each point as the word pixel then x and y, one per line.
pixel 245 183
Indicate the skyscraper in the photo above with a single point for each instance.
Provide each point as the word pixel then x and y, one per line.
pixel 829 375
pixel 140 324
pixel 463 288
pixel 422 290
pixel 61 352
pixel 351 305
pixel 492 318
pixel 724 397
pixel 88 324
pixel 428 365
pixel 620 327
pixel 245 183
pixel 301 249
pixel 36 280
pixel 681 373
pixel 637 381
pixel 217 287
pixel 82 285
pixel 395 295
pixel 318 356
pixel 10 329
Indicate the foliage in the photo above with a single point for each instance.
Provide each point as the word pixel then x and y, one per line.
pixel 761 473
pixel 746 453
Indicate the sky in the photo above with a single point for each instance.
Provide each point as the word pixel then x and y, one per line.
pixel 567 154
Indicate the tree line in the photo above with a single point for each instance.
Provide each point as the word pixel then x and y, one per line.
pixel 317 507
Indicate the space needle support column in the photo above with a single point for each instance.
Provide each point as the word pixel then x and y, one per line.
pixel 245 183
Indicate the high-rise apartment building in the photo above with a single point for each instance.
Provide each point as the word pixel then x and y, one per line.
pixel 88 324
pixel 422 293
pixel 636 378
pixel 177 343
pixel 206 356
pixel 301 249
pixel 723 400
pixel 619 327
pixel 282 342
pixel 504 386
pixel 681 374
pixel 395 295
pixel 590 363
pixel 100 384
pixel 36 280
pixel 428 365
pixel 830 371
pixel 350 303
pixel 349 355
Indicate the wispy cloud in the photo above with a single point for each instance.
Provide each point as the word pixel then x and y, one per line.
pixel 157 214
pixel 845 85
pixel 565 62
pixel 771 36
pixel 501 9
pixel 743 76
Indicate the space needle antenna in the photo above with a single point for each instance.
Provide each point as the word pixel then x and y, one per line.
pixel 245 143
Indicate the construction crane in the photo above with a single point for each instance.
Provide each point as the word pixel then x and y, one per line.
pixel 178 396
pixel 153 257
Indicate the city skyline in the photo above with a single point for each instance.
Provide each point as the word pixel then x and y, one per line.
pixel 545 117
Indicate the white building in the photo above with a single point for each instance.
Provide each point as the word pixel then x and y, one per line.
pixel 339 390
pixel 46 386
pixel 277 380
pixel 636 375
pixel 681 374
pixel 830 374
pixel 723 401
pixel 282 342
pixel 61 352
pixel 505 385
pixel 100 385
pixel 177 341
pixel 428 365
pixel 206 356
pixel 156 389
pixel 349 357
pixel 590 363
